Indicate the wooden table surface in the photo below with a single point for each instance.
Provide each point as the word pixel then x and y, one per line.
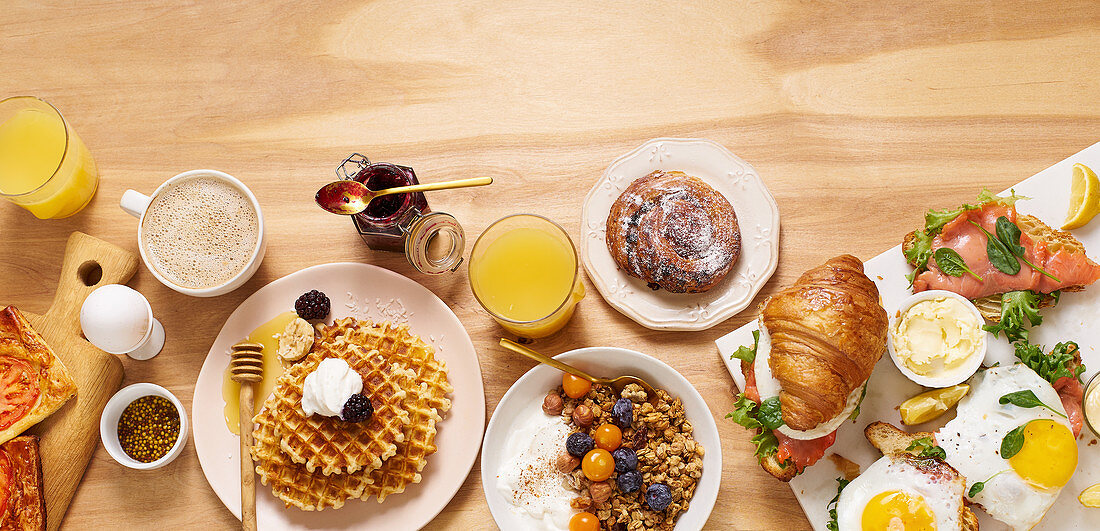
pixel 859 115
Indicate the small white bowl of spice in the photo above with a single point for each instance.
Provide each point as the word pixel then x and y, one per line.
pixel 143 426
pixel 936 338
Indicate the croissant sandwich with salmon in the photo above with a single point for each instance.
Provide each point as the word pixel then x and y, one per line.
pixel 1009 264
pixel 807 371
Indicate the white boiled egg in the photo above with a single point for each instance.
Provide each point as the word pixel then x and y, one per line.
pixel 1018 491
pixel 903 492
pixel 768 387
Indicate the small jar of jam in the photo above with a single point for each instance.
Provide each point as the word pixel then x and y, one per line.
pixel 432 241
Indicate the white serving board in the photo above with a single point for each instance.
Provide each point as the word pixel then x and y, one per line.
pixel 1076 318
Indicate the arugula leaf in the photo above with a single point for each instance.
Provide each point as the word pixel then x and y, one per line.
pixel 1026 399
pixel 951 263
pixel 1054 366
pixel 770 413
pixel 1013 442
pixel 746 354
pixel 920 251
pixel 855 412
pixel 766 444
pixel 976 488
pixel 1016 306
pixel 999 255
pixel 832 524
pixel 934 220
pixel 927 448
pixel 1009 234
pixel 746 414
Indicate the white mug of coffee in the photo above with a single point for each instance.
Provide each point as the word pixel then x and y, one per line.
pixel 200 233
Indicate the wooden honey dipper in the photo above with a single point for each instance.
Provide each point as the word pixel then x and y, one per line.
pixel 246 367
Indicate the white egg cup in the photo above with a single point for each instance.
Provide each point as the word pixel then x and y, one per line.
pixel 117 319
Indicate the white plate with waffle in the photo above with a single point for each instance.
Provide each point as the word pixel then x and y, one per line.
pixel 375 294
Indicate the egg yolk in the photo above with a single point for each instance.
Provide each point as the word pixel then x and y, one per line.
pixel 898 510
pixel 1049 455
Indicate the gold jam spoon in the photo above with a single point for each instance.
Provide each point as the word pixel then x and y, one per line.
pixel 617 383
pixel 349 197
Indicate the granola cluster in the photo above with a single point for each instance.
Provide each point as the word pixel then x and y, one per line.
pixel 660 435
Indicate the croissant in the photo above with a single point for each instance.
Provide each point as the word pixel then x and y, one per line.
pixel 828 331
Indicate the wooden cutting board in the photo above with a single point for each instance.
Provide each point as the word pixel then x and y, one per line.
pixel 71 434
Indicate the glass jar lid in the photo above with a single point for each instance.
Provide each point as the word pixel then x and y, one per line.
pixel 434 243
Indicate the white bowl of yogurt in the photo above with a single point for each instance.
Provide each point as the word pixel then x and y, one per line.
pixel 519 433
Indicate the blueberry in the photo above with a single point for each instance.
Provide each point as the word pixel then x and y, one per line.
pixel 622 413
pixel 579 444
pixel 658 496
pixel 629 481
pixel 625 459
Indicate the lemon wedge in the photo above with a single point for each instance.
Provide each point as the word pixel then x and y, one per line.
pixel 1090 497
pixel 1084 197
pixel 931 404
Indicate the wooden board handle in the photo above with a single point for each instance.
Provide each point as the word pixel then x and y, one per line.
pixel 89 263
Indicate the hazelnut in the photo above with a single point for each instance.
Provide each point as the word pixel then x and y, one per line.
pixel 599 491
pixel 552 404
pixel 567 463
pixel 582 416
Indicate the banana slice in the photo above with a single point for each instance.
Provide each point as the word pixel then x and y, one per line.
pixel 296 340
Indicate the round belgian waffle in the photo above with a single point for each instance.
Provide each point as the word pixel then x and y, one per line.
pixel 329 444
pixel 426 400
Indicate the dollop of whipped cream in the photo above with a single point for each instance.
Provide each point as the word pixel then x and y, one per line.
pixel 329 387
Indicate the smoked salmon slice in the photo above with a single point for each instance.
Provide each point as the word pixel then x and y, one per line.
pixel 1071 268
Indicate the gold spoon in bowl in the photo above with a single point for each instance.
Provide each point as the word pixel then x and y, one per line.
pixel 352 197
pixel 617 383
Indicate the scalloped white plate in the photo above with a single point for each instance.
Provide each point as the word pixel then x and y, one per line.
pixel 757 216
pixel 367 292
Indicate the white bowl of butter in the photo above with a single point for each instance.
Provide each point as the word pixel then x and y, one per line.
pixel 936 338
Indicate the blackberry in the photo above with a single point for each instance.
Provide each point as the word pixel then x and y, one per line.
pixel 357 409
pixel 629 481
pixel 312 305
pixel 579 444
pixel 625 459
pixel 658 496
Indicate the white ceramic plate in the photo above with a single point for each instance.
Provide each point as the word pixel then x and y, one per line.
pixel 604 361
pixel 1076 318
pixel 757 217
pixel 364 291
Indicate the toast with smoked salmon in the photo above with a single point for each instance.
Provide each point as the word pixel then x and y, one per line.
pixel 1013 264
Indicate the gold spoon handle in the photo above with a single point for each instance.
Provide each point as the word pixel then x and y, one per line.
pixel 542 358
pixel 248 473
pixel 446 185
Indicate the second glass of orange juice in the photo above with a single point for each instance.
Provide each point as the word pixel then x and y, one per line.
pixel 44 166
pixel 523 271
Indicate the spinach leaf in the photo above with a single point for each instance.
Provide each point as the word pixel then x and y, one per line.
pixel 746 354
pixel 927 448
pixel 1060 363
pixel 979 486
pixel 1009 234
pixel 951 263
pixel 1012 443
pixel 999 255
pixel 770 413
pixel 832 524
pixel 1026 399
pixel 1016 307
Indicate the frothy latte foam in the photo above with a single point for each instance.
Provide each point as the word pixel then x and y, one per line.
pixel 200 232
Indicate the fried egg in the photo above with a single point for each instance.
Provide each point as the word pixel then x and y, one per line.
pixel 903 492
pixel 768 386
pixel 1019 490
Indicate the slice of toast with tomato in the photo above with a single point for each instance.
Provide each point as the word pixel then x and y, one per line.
pixel 21 494
pixel 33 381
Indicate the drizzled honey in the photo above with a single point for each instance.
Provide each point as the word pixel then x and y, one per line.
pixel 265 335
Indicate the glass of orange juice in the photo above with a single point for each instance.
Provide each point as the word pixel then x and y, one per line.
pixel 44 166
pixel 523 271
